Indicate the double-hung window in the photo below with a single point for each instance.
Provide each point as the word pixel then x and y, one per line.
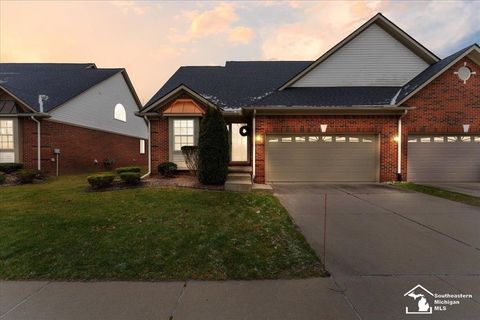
pixel 7 144
pixel 183 133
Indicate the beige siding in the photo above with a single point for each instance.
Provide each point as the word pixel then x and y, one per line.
pixel 373 58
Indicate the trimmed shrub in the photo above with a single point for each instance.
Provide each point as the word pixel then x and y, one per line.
pixel 101 180
pixel 26 176
pixel 190 153
pixel 213 148
pixel 128 169
pixel 3 177
pixel 130 178
pixel 167 169
pixel 10 167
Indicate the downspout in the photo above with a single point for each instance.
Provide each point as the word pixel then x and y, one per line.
pixel 399 148
pixel 39 146
pixel 149 149
pixel 253 147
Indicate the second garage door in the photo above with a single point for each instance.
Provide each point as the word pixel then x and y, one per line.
pixel 444 158
pixel 321 158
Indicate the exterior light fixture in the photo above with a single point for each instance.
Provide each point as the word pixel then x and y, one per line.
pixel 396 139
pixel 466 127
pixel 323 127
pixel 259 138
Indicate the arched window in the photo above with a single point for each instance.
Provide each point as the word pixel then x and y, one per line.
pixel 119 113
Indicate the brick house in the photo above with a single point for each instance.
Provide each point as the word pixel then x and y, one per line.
pixel 378 106
pixel 70 116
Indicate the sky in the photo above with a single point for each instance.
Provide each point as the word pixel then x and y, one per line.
pixel 152 39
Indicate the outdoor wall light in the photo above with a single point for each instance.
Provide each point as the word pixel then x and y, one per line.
pixel 466 127
pixel 396 139
pixel 259 138
pixel 323 127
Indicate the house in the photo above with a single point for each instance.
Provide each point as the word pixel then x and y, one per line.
pixel 69 116
pixel 378 106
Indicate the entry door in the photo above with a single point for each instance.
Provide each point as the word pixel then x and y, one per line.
pixel 239 143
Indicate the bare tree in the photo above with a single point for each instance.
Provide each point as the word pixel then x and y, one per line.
pixel 190 153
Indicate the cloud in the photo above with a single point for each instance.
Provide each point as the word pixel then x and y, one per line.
pixel 240 35
pixel 128 6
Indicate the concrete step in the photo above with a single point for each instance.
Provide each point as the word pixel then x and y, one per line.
pixel 239 182
pixel 240 169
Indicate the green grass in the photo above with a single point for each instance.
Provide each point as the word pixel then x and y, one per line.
pixel 58 231
pixel 455 196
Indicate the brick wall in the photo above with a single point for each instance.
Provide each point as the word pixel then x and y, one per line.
pixel 385 126
pixel 443 106
pixel 79 148
pixel 160 150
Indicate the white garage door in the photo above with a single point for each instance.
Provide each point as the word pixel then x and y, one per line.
pixel 317 158
pixel 444 158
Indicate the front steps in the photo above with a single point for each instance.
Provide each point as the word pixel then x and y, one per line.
pixel 239 182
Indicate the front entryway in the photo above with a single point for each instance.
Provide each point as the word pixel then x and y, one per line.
pixel 444 158
pixel 312 158
pixel 239 143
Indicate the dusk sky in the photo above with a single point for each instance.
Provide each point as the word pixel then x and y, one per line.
pixel 153 39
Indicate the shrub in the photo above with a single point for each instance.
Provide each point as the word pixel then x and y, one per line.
pixel 213 148
pixel 131 178
pixel 128 169
pixel 167 169
pixel 190 153
pixel 3 177
pixel 26 176
pixel 108 163
pixel 10 167
pixel 101 180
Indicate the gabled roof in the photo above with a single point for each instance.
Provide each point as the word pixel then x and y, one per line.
pixel 386 25
pixel 59 81
pixel 237 84
pixel 432 72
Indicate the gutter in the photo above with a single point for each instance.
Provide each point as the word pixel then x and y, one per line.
pixel 24 115
pixel 254 144
pixel 336 108
pixel 399 147
pixel 39 146
pixel 149 149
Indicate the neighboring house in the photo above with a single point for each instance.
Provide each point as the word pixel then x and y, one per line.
pixel 378 106
pixel 85 113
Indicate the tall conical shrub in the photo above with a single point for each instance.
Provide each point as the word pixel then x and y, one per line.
pixel 213 148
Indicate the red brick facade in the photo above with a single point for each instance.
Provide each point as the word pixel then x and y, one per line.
pixel 160 150
pixel 384 126
pixel 443 106
pixel 79 148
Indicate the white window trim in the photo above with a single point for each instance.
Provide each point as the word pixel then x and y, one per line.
pixel 142 146
pixel 16 141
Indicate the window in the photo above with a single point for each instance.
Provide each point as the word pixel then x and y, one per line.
pixel 367 140
pixel 353 139
pixel 287 139
pixel 272 140
pixel 425 139
pixel 313 138
pixel 466 139
pixel 183 133
pixel 7 146
pixel 327 139
pixel 119 113
pixel 299 139
pixel 412 140
pixel 142 146
pixel 341 139
pixel 451 139
pixel 476 139
pixel 438 139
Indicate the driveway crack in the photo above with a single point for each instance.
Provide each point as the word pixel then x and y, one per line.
pixel 346 298
pixel 179 300
pixel 24 300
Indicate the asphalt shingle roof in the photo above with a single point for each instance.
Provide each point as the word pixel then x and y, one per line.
pixel 59 81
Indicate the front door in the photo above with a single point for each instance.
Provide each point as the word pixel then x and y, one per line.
pixel 239 143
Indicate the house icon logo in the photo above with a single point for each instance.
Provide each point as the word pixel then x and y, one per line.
pixel 419 294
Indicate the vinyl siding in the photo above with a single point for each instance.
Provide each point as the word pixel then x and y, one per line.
pixel 373 58
pixel 95 107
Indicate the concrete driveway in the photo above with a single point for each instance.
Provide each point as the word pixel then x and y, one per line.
pixel 381 242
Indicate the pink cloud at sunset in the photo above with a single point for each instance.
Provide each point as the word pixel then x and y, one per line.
pixel 152 39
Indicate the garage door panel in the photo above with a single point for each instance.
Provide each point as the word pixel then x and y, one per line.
pixel 319 160
pixel 458 160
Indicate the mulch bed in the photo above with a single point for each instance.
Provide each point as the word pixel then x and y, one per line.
pixel 182 181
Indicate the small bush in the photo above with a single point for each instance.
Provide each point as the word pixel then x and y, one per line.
pixel 26 176
pixel 10 167
pixel 130 178
pixel 190 153
pixel 101 180
pixel 167 169
pixel 3 176
pixel 213 148
pixel 128 169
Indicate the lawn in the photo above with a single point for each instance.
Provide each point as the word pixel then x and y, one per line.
pixel 59 231
pixel 455 196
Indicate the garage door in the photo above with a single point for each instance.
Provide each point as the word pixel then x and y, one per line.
pixel 443 158
pixel 316 158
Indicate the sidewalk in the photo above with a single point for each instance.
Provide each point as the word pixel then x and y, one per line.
pixel 317 298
